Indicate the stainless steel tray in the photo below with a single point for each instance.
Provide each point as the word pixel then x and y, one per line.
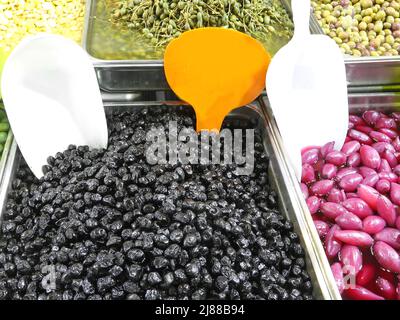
pixel 374 74
pixel 358 103
pixel 123 75
pixel 318 268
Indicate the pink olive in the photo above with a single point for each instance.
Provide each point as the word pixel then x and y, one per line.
pixel 379 136
pixel 395 193
pixel 326 148
pixel 384 166
pixel 386 256
pixel 310 156
pixel 370 157
pixel 396 170
pixel 389 132
pixel 304 190
pixel 307 173
pixel 387 123
pixel 389 235
pixel 365 171
pixel 366 274
pixel 392 177
pixel 353 237
pixel 358 206
pixel 332 210
pixel 336 157
pixel 391 158
pixel 385 288
pixel 369 195
pixel 313 204
pixel 351 258
pixel 383 186
pixel 351 195
pixel 359 136
pixel 338 276
pixel 344 172
pixel 336 195
pixel 373 224
pixel 350 182
pixel 396 144
pixel 349 221
pixel 354 160
pixel 351 147
pixel 329 171
pixel 322 228
pixel 363 129
pixel 332 245
pixel 371 117
pixel 386 210
pixel 356 119
pixel 361 293
pixel 371 180
pixel 382 146
pixel 322 187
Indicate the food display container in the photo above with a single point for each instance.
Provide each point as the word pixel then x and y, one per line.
pixel 108 48
pixel 291 204
pixel 6 153
pixel 358 103
pixel 373 74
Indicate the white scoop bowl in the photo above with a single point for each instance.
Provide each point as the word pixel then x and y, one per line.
pixel 52 98
pixel 307 89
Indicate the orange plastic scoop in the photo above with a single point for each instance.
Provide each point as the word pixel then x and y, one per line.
pixel 215 70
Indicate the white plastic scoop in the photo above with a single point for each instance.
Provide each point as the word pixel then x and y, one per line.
pixel 52 98
pixel 307 89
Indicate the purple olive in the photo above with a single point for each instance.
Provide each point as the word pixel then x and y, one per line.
pixel 389 132
pixel 366 171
